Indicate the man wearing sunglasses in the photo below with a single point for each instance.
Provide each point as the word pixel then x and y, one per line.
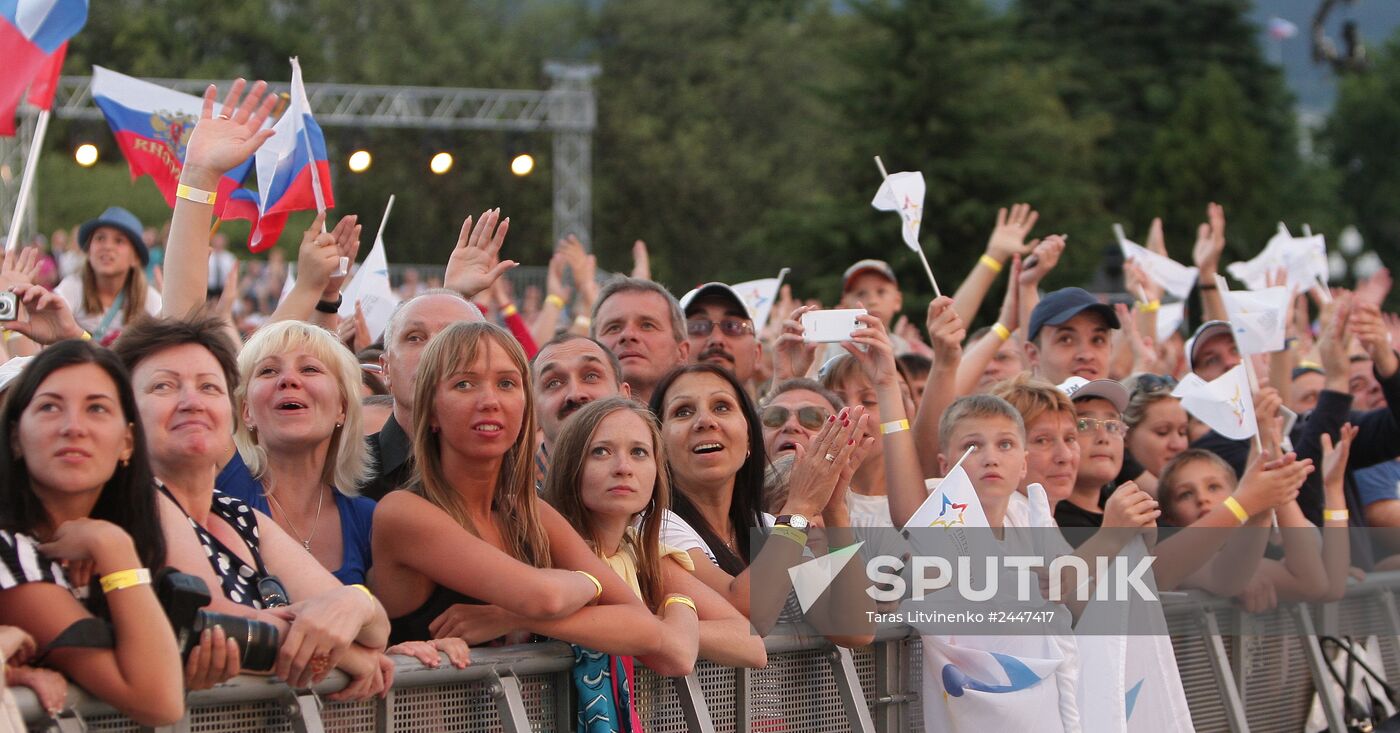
pixel 720 330
pixel 792 413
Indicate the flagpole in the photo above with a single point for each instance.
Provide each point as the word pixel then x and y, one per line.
pixel 922 258
pixel 1246 360
pixel 379 236
pixel 26 184
pixel 782 274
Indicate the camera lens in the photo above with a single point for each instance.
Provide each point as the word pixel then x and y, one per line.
pixel 257 640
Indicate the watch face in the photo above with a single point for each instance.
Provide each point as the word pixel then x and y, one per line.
pixel 796 521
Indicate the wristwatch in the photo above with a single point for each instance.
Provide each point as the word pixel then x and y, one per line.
pixel 796 521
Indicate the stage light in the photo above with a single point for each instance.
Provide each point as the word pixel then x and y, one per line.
pixel 360 161
pixel 522 164
pixel 441 163
pixel 86 155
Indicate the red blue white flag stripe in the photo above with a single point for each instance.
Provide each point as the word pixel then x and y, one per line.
pixel 293 169
pixel 31 32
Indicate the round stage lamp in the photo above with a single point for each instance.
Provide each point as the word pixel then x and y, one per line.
pixel 441 163
pixel 522 164
pixel 360 161
pixel 86 155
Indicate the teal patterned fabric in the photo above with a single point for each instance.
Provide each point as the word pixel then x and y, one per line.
pixel 604 686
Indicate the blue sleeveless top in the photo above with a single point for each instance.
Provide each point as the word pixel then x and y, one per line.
pixel 356 513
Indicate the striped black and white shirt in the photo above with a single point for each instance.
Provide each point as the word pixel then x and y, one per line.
pixel 21 562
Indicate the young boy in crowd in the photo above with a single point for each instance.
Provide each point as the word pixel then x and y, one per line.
pixel 870 284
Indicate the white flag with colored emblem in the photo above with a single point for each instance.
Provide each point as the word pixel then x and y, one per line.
pixel 372 289
pixel 904 192
pixel 1225 404
pixel 953 504
pixel 1258 318
pixel 760 295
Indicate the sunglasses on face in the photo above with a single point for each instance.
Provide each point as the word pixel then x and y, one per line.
pixel 811 418
pixel 732 328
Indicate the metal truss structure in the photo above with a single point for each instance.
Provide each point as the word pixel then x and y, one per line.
pixel 567 110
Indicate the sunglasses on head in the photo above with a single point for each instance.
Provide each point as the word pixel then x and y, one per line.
pixel 729 327
pixel 775 416
pixel 1155 382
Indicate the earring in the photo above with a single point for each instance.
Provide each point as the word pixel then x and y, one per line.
pixel 126 462
pixel 339 424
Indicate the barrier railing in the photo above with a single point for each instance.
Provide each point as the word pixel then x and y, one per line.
pixel 1241 673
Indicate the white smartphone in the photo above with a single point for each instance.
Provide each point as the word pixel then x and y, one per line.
pixel 831 326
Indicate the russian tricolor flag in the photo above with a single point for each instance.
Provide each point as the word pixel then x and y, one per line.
pixel 294 173
pixel 152 125
pixel 33 34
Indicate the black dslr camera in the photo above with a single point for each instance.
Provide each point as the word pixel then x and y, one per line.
pixel 184 597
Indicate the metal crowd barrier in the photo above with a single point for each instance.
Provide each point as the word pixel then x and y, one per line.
pixel 1241 673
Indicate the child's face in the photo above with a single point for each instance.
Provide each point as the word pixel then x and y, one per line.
pixel 854 390
pixel 998 465
pixel 1196 488
pixel 876 294
pixel 619 470
pixel 1101 446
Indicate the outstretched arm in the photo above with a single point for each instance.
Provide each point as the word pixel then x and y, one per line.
pixel 1007 241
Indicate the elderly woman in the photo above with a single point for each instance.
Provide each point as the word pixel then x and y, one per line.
pixel 111 290
pixel 182 372
pixel 79 515
pixel 299 445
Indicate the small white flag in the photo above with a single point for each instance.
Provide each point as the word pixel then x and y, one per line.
pixel 289 282
pixel 1303 260
pixel 904 192
pixel 1225 404
pixel 811 578
pixel 371 287
pixel 1169 318
pixel 953 504
pixel 760 295
pixel 1167 273
pixel 1259 318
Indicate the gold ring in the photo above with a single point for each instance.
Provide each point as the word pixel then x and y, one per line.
pixel 831 456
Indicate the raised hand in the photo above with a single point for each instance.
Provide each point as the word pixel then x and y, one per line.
pixel 1332 341
pixel 475 262
pixel 946 332
pixel 220 142
pixel 641 260
pixel 1375 288
pixel 347 244
pixel 1130 506
pixel 47 316
pixel 1367 325
pixel 554 278
pixel 19 268
pixel 818 466
pixel 1210 243
pixel 872 349
pixel 318 257
pixel 792 356
pixel 1139 284
pixel 1044 255
pixel 1156 242
pixel 1334 458
pixel 1009 236
pixel 1271 483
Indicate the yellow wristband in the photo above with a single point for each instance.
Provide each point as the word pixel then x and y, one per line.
pixel 1152 307
pixel 796 535
pixel 894 426
pixel 683 600
pixel 10 335
pixel 86 336
pixel 1336 515
pixel 190 193
pixel 1237 509
pixel 597 584
pixel 555 301
pixel 1001 331
pixel 367 591
pixel 991 263
pixel 509 310
pixel 125 579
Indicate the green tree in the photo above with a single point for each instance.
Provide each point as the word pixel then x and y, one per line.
pixel 1363 137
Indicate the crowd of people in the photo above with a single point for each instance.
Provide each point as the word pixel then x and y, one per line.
pixel 605 463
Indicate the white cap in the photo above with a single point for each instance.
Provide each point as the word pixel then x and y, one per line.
pixel 719 289
pixel 1079 388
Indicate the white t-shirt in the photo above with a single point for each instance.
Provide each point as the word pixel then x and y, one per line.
pixel 868 511
pixel 71 290
pixel 678 533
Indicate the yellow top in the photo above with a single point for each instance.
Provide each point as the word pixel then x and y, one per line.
pixel 624 563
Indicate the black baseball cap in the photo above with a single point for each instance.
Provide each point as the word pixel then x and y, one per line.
pixel 1064 304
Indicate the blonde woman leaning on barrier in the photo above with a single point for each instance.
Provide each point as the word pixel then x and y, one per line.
pixel 469 549
pixel 607 477
pixel 182 372
pixel 300 457
pixel 79 483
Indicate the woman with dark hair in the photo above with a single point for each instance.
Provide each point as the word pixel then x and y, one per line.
pixel 79 507
pixel 111 290
pixel 607 477
pixel 183 372
pixel 468 550
pixel 715 455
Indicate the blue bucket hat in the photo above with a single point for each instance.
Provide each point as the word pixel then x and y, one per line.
pixel 123 221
